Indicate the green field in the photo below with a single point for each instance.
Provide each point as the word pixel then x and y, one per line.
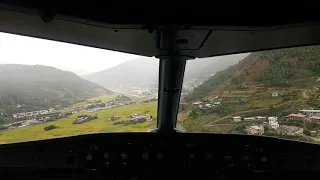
pixel 107 97
pixel 263 103
pixel 102 124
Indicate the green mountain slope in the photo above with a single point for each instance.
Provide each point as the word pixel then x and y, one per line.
pixel 43 86
pixel 283 67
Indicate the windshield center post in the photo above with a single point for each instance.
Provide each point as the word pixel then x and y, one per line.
pixel 171 73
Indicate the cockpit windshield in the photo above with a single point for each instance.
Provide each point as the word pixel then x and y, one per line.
pixel 51 89
pixel 269 93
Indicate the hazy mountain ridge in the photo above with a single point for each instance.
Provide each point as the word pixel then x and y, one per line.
pixel 43 85
pixel 144 72
pixel 137 72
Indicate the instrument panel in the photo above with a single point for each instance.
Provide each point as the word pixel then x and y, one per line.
pixel 157 155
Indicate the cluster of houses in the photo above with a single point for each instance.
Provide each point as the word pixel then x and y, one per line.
pixel 97 105
pixel 37 119
pixel 205 104
pixel 49 116
pixel 306 115
pixel 137 117
pixel 40 116
pixel 145 91
pixel 20 124
pixel 153 92
pixel 32 113
pixel 272 120
pixel 154 95
pixel 303 115
pixel 120 100
pixel 188 87
pixel 84 118
pixel 283 129
pixel 150 100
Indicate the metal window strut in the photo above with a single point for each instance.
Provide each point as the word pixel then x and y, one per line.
pixel 171 73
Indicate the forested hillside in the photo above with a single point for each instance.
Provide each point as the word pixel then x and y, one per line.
pixel 43 86
pixel 266 68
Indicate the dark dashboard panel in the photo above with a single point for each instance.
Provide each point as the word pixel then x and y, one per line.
pixel 145 31
pixel 146 154
pixel 196 14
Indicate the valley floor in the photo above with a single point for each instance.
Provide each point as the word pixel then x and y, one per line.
pixel 218 118
pixel 103 123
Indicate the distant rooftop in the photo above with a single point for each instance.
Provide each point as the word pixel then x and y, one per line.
pixel 315 117
pixel 297 115
pixel 311 110
pixel 272 118
pixel 196 103
pixel 256 127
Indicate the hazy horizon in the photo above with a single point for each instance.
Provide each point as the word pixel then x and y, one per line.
pixel 82 60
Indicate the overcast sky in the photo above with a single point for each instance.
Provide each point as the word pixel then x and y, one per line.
pixel 82 60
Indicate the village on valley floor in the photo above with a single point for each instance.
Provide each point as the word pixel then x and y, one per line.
pixel 44 115
pixel 259 123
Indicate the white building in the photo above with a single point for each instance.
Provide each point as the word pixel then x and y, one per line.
pixel 236 119
pixel 311 112
pixel 273 122
pixel 147 117
pixel 296 116
pixel 275 94
pixel 274 125
pixel 43 111
pixel 135 115
pixel 196 103
pixel 315 118
pixel 272 119
pixel 249 118
pixel 261 118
